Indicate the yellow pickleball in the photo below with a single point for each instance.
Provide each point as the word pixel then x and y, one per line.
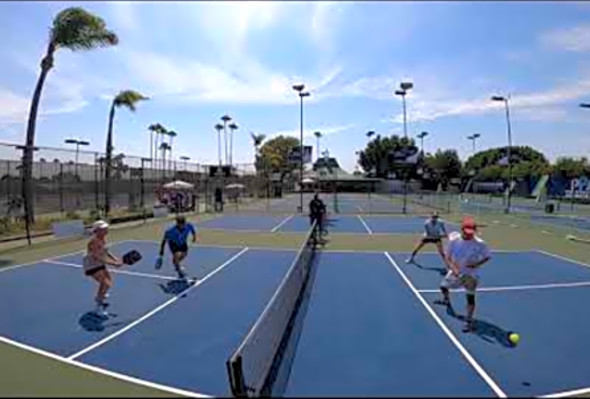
pixel 514 338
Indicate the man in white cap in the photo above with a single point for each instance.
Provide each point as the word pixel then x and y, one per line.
pixel 95 264
pixel 466 253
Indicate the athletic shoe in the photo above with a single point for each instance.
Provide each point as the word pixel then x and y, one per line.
pixel 410 260
pixel 181 273
pixel 444 302
pixel 469 326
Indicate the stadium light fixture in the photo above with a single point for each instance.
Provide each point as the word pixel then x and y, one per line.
pixel 299 89
pixel 506 105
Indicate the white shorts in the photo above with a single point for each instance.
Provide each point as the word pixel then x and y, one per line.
pixel 469 282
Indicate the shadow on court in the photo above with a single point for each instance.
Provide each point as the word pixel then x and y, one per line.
pixel 440 270
pixel 90 321
pixel 485 330
pixel 175 287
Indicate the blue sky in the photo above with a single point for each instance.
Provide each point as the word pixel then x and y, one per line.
pixel 199 60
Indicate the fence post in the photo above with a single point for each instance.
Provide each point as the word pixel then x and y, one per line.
pixel 61 189
pixel 141 192
pixel 96 204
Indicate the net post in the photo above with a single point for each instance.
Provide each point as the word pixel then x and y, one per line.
pixel 236 377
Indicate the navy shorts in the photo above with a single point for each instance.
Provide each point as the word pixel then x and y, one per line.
pixel 175 247
pixel 428 240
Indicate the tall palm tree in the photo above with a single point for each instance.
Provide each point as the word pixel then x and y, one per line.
pixel 318 135
pixel 157 129
pixel 219 128
pixel 164 147
pixel 128 99
pixel 225 119
pixel 257 140
pixel 75 29
pixel 171 134
pixel 233 126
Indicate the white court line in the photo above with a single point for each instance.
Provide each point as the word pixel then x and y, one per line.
pixel 575 392
pixel 364 224
pixel 36 262
pixel 519 287
pixel 562 258
pixel 118 271
pixel 285 220
pixel 156 310
pixel 497 390
pixel 99 370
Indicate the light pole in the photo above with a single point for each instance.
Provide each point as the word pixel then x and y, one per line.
pixel 299 89
pixel 184 158
pixel 404 88
pixel 473 138
pixel 232 127
pixel 505 100
pixel 225 119
pixel 78 143
pixel 421 137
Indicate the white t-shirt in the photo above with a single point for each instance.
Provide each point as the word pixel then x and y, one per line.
pixel 434 230
pixel 467 252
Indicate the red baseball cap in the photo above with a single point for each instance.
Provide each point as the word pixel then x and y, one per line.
pixel 468 225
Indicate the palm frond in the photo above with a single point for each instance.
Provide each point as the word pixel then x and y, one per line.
pixel 218 126
pixel 77 29
pixel 128 98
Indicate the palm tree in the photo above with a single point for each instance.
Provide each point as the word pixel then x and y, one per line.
pixel 75 29
pixel 318 135
pixel 219 128
pixel 164 147
pixel 171 134
pixel 257 140
pixel 126 98
pixel 225 119
pixel 157 129
pixel 233 126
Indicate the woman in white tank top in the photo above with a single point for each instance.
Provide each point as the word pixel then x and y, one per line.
pixel 95 264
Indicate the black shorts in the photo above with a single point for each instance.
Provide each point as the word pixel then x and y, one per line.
pixel 174 247
pixel 92 272
pixel 428 240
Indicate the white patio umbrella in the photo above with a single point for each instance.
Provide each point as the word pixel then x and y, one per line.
pixel 178 185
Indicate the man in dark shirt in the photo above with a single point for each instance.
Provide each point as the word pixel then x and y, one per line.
pixel 317 212
pixel 218 200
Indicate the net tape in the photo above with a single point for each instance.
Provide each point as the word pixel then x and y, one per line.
pixel 253 367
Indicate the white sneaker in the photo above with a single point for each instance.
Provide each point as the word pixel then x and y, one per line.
pixel 410 260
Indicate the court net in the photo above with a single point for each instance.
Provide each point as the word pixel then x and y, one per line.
pixel 255 365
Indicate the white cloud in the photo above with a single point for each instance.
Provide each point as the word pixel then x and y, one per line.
pixel 576 39
pixel 326 131
pixel 432 104
pixel 191 80
pixel 13 107
pixel 229 23
pixel 124 16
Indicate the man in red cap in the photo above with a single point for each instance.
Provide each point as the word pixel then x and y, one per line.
pixel 466 253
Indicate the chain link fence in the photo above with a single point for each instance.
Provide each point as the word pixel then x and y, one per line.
pixel 70 184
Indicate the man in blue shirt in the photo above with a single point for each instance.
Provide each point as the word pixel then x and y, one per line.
pixel 177 236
